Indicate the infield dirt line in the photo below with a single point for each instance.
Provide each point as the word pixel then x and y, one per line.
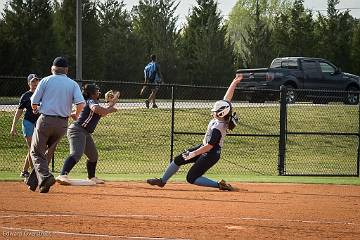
pixel 157 217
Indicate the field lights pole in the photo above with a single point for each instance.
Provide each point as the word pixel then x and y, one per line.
pixel 78 41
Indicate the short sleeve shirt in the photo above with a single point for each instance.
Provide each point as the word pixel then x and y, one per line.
pixel 215 133
pixel 56 94
pixel 88 119
pixel 25 103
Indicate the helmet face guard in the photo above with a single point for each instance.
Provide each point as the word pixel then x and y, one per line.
pixel 222 108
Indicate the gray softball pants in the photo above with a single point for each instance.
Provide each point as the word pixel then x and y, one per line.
pixel 81 142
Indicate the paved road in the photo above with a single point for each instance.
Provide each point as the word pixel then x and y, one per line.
pixel 198 104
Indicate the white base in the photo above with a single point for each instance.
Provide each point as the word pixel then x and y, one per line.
pixel 81 182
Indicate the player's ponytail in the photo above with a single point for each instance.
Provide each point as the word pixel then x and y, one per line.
pixel 232 121
pixel 89 90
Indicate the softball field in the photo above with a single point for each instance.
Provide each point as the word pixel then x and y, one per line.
pixel 134 210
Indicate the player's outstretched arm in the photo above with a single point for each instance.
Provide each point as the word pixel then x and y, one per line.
pixel 199 151
pixel 103 111
pixel 112 99
pixel 230 92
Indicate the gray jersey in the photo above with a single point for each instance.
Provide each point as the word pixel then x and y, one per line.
pixel 220 125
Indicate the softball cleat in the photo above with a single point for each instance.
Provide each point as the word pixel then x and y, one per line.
pixel 97 180
pixel 156 182
pixel 63 180
pixel 225 186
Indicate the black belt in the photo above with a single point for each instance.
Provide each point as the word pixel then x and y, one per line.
pixel 65 118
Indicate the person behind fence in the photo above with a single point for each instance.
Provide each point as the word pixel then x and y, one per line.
pixel 207 154
pixel 53 99
pixel 152 76
pixel 80 133
pixel 29 120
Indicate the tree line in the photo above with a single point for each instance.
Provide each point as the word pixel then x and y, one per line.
pixel 205 50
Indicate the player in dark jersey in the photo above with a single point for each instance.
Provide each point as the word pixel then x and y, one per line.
pixel 80 132
pixel 28 123
pixel 207 154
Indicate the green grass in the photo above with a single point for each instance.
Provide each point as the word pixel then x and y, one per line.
pixel 136 142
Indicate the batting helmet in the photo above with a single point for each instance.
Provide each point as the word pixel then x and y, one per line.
pixel 222 108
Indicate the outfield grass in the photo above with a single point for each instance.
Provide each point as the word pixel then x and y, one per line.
pixel 136 142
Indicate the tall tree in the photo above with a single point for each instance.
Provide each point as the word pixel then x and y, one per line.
pixel 355 49
pixel 257 49
pixel 334 35
pixel 241 18
pixel 5 49
pixel 154 23
pixel 120 48
pixel 293 33
pixel 27 28
pixel 65 30
pixel 92 39
pixel 206 54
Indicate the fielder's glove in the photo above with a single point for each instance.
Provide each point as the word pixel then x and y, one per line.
pixel 112 96
pixel 188 155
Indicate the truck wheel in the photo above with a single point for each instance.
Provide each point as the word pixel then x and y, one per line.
pixel 352 98
pixel 290 94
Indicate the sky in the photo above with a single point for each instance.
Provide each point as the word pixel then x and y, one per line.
pixel 225 6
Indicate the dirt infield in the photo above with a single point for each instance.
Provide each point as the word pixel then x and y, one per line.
pixel 133 210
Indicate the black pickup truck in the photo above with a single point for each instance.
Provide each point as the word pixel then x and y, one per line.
pixel 312 74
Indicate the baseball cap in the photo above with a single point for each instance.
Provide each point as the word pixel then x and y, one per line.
pixel 31 77
pixel 60 62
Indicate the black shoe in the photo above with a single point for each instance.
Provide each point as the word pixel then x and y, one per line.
pixel 31 181
pixel 32 188
pixel 155 106
pixel 156 182
pixel 47 183
pixel 24 174
pixel 225 186
pixel 147 103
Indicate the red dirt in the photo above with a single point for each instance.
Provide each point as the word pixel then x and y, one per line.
pixel 133 210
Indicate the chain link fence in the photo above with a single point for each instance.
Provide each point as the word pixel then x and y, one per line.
pixel 319 139
pixel 326 140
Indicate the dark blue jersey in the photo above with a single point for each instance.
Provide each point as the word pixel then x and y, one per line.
pixel 89 119
pixel 25 102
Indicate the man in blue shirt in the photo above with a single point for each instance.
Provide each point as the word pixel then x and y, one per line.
pixel 53 99
pixel 152 76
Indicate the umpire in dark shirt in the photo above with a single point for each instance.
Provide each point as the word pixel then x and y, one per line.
pixel 53 99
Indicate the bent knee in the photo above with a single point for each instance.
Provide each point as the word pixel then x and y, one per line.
pixel 76 157
pixel 179 160
pixel 191 178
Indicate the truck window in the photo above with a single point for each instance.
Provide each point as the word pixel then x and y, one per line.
pixel 311 69
pixel 276 63
pixel 292 64
pixel 326 68
pixel 284 63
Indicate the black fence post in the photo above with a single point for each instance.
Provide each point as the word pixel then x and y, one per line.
pixel 282 137
pixel 53 163
pixel 172 123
